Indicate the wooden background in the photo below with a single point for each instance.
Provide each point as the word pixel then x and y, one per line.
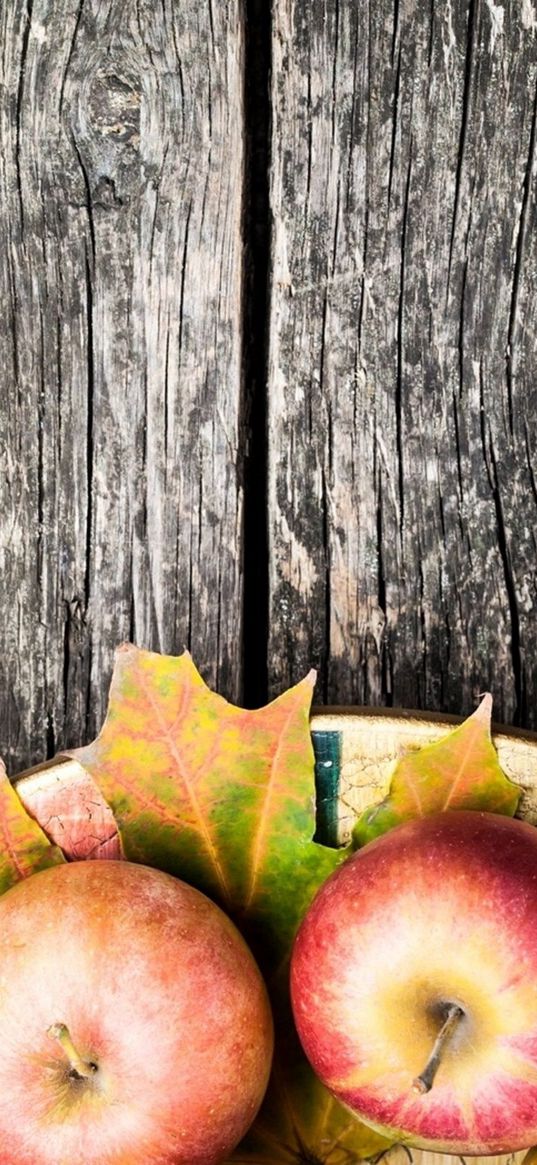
pixel 268 351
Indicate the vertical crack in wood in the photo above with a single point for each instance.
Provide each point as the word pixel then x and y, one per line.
pixel 467 89
pixel 257 242
pixel 89 456
pixel 431 34
pixel 19 112
pixel 461 331
pixel 395 37
pixel 41 486
pixel 395 126
pixel 89 428
pixel 520 712
pixel 335 50
pixel 400 347
pixel 326 476
pixel 327 585
pixel 386 671
pixel 514 315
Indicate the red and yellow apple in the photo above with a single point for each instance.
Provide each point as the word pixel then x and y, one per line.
pixel 134 1024
pixel 414 983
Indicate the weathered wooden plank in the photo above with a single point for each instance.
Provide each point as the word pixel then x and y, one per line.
pixel 121 497
pixel 402 363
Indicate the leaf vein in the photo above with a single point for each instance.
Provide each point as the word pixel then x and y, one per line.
pixel 181 770
pixel 264 816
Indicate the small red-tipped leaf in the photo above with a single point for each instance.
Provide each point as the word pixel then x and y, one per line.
pixel 460 771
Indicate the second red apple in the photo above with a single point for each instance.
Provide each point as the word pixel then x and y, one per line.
pixel 414 983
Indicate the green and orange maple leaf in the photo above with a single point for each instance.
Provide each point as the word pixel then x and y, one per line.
pixel 216 794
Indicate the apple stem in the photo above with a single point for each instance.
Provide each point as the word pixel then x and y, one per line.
pixel 81 1069
pixel 424 1082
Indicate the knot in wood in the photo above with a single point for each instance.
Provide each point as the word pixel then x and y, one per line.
pixel 114 106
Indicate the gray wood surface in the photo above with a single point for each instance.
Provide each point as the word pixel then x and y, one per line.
pixel 343 461
pixel 121 170
pixel 402 362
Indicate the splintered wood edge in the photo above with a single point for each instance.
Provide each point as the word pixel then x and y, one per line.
pixel 363 744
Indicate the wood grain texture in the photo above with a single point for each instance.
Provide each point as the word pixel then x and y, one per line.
pixel 402 362
pixel 121 186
